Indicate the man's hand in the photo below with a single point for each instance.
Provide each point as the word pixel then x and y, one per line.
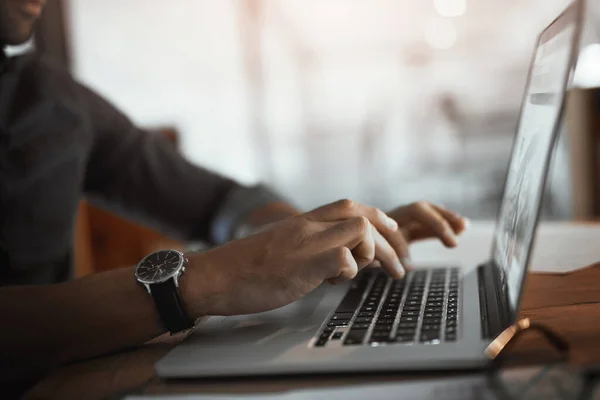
pixel 424 220
pixel 278 266
pixel 416 221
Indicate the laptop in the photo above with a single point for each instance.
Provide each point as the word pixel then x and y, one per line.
pixel 434 318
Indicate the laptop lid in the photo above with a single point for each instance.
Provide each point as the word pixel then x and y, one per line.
pixel 541 112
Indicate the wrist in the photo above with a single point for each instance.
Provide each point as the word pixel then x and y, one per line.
pixel 201 285
pixel 264 217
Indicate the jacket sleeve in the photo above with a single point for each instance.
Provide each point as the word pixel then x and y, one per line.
pixel 142 175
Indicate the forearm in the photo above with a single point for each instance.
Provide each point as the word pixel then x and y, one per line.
pixel 44 326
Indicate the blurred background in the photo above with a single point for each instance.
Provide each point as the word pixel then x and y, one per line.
pixel 382 101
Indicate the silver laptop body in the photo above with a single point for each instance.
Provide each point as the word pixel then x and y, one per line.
pixel 433 319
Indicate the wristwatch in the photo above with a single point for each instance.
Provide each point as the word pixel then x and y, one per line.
pixel 160 272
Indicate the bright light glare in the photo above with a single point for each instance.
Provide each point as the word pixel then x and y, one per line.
pixel 450 8
pixel 587 73
pixel 440 33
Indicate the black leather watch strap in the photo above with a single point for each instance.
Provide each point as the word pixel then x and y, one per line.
pixel 170 306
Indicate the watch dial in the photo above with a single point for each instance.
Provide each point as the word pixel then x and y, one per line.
pixel 159 266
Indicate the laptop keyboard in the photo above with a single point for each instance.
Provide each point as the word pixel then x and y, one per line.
pixel 377 310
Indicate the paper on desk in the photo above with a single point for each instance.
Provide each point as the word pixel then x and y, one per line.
pixel 561 247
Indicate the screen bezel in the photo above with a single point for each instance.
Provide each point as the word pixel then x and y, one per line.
pixel 572 14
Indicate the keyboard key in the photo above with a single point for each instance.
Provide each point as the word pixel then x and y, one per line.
pixel 363 320
pixel 429 337
pixel 366 309
pixel 409 318
pixel 352 300
pixel 366 314
pixel 342 316
pixel 451 323
pixel 321 342
pixel 360 326
pixel 406 332
pixel 427 328
pixel 337 336
pixel 355 336
pixel 382 329
pixel 437 289
pixel 328 329
pixel 407 325
pixel 346 320
pixel 338 323
pixel 387 321
pixel 410 313
pixel 450 329
pixel 450 337
pixel 405 339
pixel 388 316
pixel 438 294
pixel 437 298
pixel 380 334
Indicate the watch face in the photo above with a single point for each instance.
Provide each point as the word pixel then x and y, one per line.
pixel 160 266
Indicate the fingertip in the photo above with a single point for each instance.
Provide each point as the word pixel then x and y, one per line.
pixel 407 264
pixel 450 238
pixel 397 273
pixel 392 224
pixel 466 224
pixel 394 269
pixel 401 273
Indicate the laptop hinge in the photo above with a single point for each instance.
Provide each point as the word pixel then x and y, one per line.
pixel 491 300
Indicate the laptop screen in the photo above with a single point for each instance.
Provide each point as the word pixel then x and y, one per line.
pixel 533 144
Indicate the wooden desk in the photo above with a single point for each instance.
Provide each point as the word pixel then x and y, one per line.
pixel 568 304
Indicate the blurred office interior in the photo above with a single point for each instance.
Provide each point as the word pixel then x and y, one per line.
pixel 385 101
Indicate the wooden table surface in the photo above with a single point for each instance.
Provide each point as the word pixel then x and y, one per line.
pixel 568 304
